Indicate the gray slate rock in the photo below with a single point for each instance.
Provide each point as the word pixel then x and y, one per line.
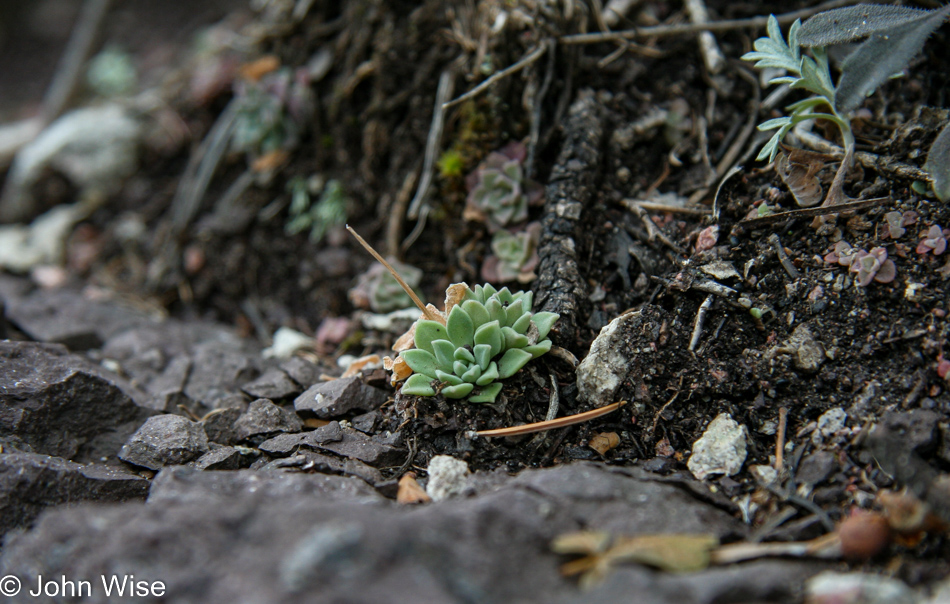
pixel 273 384
pixel 165 440
pixel 279 537
pixel 30 483
pixel 219 426
pixel 346 442
pixel 264 418
pixel 312 461
pixel 301 371
pixel 221 458
pixel 67 317
pixel 54 401
pixel 339 397
pixel 187 485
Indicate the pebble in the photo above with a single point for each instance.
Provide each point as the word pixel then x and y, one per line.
pixel 720 450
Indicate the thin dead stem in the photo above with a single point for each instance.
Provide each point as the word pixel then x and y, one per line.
pixel 560 422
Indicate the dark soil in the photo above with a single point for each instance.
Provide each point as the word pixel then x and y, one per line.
pixel 582 111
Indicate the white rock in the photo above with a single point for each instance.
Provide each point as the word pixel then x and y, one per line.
pixel 42 242
pixel 447 477
pixel 830 423
pixel 606 366
pixel 831 587
pixel 287 341
pixel 96 148
pixel 720 450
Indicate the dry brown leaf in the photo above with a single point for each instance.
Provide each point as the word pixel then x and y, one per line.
pixel 581 542
pixel 603 442
pixel 312 422
pixel 270 161
pixel 410 491
pixel 455 294
pixel 357 365
pixel 799 170
pixel 399 368
pixel 678 553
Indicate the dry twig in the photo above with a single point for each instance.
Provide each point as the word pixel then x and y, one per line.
pixel 526 60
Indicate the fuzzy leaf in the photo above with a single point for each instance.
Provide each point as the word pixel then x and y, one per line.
pixel 488 376
pixel 505 296
pixel 482 355
pixel 449 378
pixel 421 361
pixel 523 323
pixel 471 376
pixel 426 331
pixel 881 56
pixel 418 385
pixel 460 327
pixel 488 394
pixel 771 148
pixel 938 164
pixel 489 333
pixel 444 354
pixel 513 339
pixel 459 391
pixel 544 321
pixel 774 123
pixel 465 355
pixel 538 349
pixel 513 360
pixel 476 312
pixel 848 24
pixel 513 312
pixel 804 105
pixel 496 312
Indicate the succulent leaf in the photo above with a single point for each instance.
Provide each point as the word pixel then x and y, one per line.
pixel 544 321
pixel 448 378
pixel 476 311
pixel 420 361
pixel 487 394
pixel 418 385
pixel 538 349
pixel 464 354
pixel 471 376
pixel 460 327
pixel 458 391
pixel 427 331
pixel 483 355
pixel 490 333
pixel 460 367
pixel 496 312
pixel 513 360
pixel 513 312
pixel 489 375
pixel 513 339
pixel 444 354
pixel 523 323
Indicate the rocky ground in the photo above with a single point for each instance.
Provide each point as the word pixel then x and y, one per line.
pixel 191 388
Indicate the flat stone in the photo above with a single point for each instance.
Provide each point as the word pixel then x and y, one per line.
pixel 30 483
pixel 221 458
pixel 283 445
pixel 313 461
pixel 283 537
pixel 165 440
pixel 67 317
pixel 816 468
pixel 273 384
pixel 339 397
pixel 53 401
pixel 301 371
pixel 187 485
pixel 346 442
pixel 264 418
pixel 917 428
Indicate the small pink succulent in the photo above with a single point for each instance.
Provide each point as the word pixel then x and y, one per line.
pixel 934 241
pixel 894 223
pixel 873 266
pixel 842 254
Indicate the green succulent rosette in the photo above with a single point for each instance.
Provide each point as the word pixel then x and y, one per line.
pixel 487 337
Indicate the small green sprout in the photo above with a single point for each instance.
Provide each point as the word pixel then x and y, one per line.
pixel 328 212
pixel 489 336
pixel 895 35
